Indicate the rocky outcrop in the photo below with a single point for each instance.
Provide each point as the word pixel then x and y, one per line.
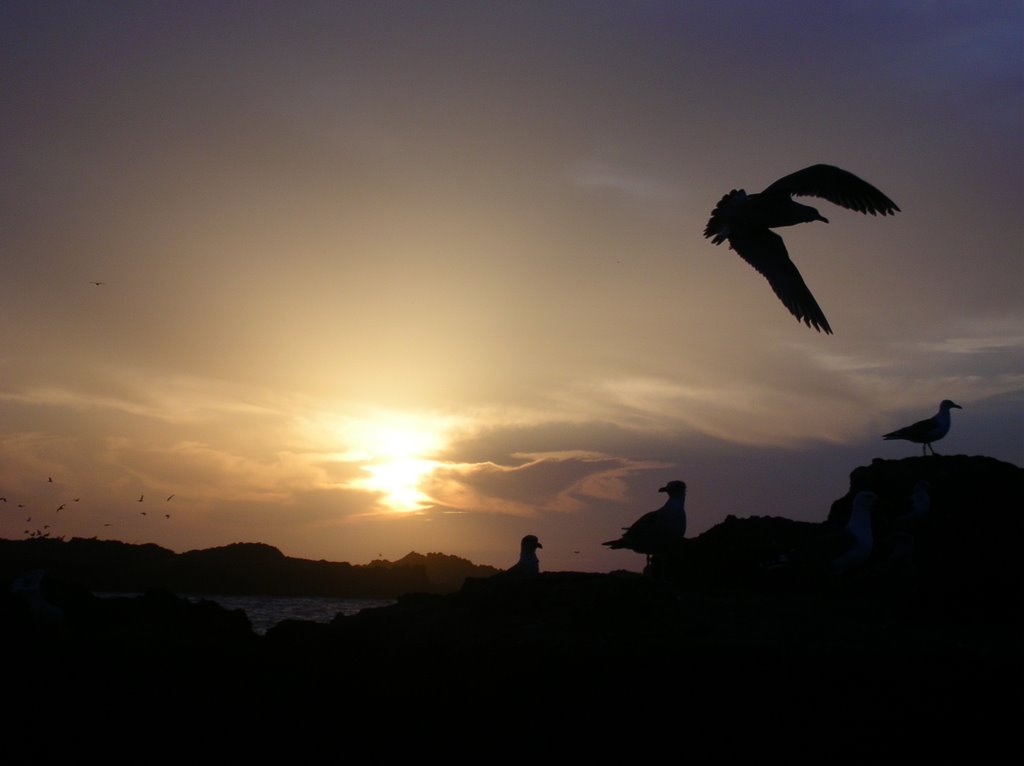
pixel 241 568
pixel 905 658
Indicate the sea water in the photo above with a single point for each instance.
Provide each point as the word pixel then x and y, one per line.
pixel 264 612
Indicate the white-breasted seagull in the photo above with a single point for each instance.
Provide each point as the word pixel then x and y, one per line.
pixel 658 532
pixel 528 564
pixel 924 432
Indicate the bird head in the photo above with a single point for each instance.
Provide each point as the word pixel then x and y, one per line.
pixel 530 543
pixel 948 405
pixel 674 488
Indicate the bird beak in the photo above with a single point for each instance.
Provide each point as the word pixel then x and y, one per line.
pixel 539 545
pixel 664 489
pixel 822 218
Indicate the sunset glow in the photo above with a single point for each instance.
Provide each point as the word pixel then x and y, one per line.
pixel 398 481
pixel 326 273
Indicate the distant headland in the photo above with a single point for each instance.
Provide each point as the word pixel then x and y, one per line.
pixel 238 569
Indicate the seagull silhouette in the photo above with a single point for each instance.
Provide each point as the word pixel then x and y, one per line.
pixel 746 220
pixel 660 531
pixel 856 542
pixel 924 432
pixel 97 283
pixel 528 564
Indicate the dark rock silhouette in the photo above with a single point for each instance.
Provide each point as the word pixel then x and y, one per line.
pixel 240 568
pixel 926 658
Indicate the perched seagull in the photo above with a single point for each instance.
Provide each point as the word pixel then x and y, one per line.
pixel 920 502
pixel 746 221
pixel 30 588
pixel 857 542
pixel 901 543
pixel 924 432
pixel 528 564
pixel 659 531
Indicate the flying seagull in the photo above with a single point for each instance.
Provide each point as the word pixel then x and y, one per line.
pixel 528 564
pixel 746 221
pixel 97 283
pixel 924 432
pixel 660 531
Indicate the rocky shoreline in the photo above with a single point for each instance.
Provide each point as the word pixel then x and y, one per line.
pixel 730 652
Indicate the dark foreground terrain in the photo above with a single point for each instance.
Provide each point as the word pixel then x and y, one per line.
pixel 734 652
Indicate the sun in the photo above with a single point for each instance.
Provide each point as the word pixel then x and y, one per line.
pixel 395 453
pixel 398 482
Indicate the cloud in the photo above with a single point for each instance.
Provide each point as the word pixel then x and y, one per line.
pixel 597 176
pixel 530 484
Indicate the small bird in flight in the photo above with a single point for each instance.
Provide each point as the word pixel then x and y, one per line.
pixel 169 498
pixel 140 498
pixel 97 283
pixel 746 221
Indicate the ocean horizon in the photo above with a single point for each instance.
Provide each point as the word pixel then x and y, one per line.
pixel 264 612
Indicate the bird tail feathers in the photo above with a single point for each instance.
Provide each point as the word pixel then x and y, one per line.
pixel 718 225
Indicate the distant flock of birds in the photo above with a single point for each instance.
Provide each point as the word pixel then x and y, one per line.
pixel 44 530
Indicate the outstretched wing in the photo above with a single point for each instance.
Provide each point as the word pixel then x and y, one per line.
pixel 765 251
pixel 836 185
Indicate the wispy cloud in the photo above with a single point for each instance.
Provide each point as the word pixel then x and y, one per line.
pixel 598 176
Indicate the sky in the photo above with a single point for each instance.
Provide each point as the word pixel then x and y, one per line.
pixel 381 277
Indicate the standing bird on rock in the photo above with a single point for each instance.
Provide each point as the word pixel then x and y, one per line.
pixel 746 221
pixel 528 564
pixel 855 544
pixel 924 432
pixel 658 532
